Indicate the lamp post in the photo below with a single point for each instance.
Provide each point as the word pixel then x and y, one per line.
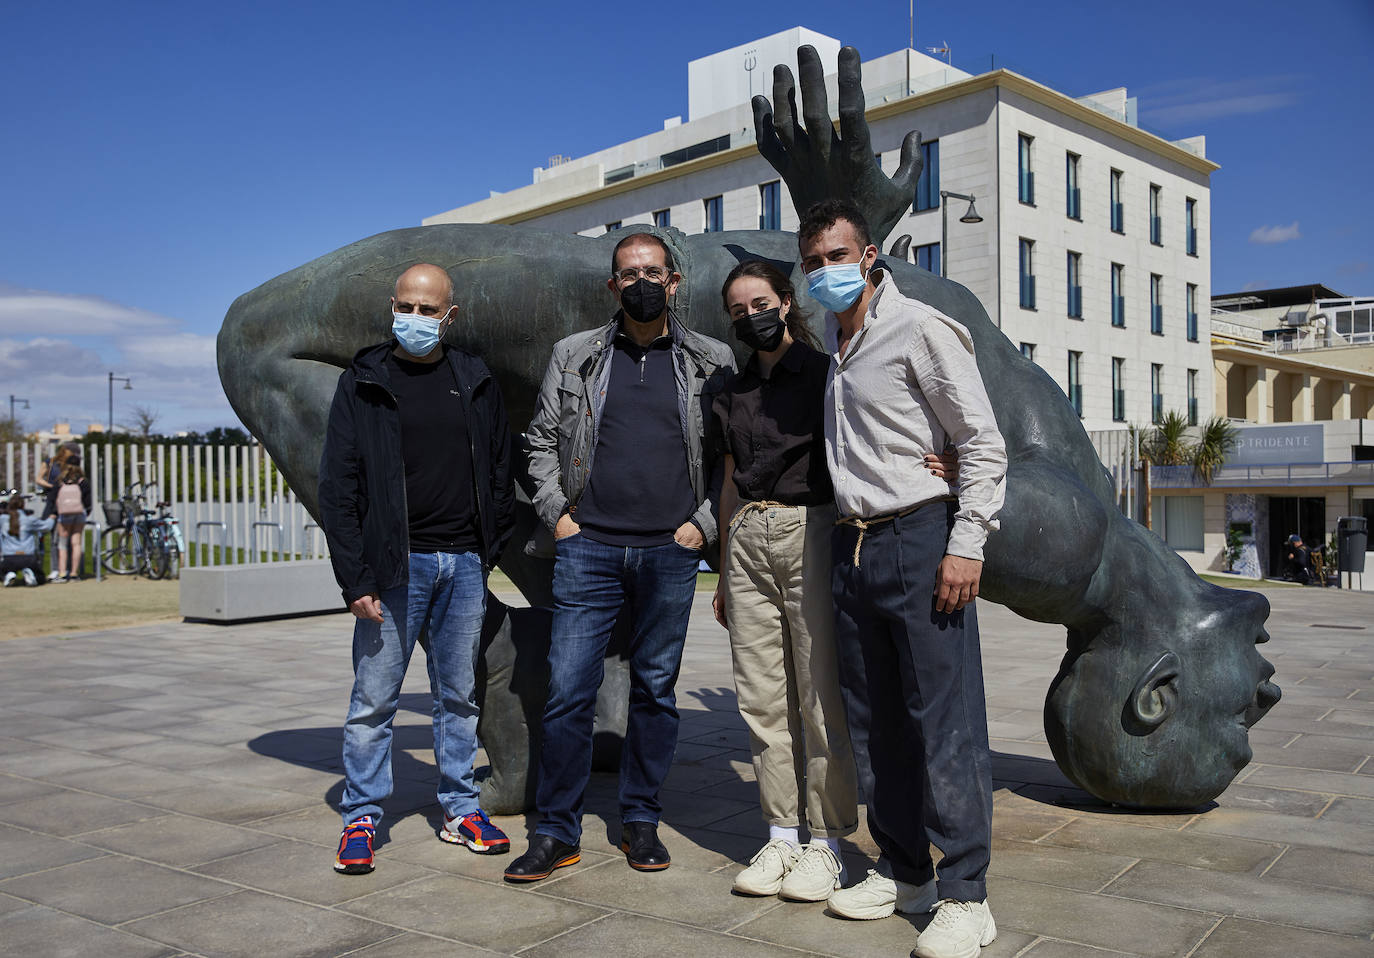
pixel 128 384
pixel 15 399
pixel 971 216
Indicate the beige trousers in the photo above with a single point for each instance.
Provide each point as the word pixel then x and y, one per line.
pixel 782 640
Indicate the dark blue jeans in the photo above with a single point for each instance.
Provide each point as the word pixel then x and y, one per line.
pixel 913 688
pixel 593 585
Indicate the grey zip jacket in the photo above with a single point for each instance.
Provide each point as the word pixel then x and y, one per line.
pixel 562 434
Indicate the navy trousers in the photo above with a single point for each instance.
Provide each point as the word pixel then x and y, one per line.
pixel 913 688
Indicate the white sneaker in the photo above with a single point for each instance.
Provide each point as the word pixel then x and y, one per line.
pixel 28 577
pixel 959 929
pixel 878 896
pixel 767 868
pixel 57 577
pixel 10 578
pixel 815 874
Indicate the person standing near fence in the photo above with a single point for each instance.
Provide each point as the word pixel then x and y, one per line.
pixel 73 504
pixel 417 502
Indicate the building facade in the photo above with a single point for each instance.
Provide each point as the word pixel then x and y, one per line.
pixel 1092 253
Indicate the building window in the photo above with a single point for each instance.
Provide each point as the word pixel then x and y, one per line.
pixel 1026 177
pixel 1156 393
pixel 1156 304
pixel 1192 397
pixel 1114 204
pixel 928 257
pixel 1190 227
pixel 663 218
pixel 714 219
pixel 1028 350
pixel 1192 313
pixel 1075 285
pixel 1076 382
pixel 1178 521
pixel 1118 389
pixel 612 227
pixel 1118 295
pixel 1072 206
pixel 928 183
pixel 1156 230
pixel 1027 274
pixel 770 207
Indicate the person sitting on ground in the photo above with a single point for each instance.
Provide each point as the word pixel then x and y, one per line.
pixel 73 503
pixel 19 555
pixel 1297 566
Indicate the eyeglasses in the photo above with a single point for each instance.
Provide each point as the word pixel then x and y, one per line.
pixel 654 274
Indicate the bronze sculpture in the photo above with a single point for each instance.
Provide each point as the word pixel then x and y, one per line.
pixel 1162 676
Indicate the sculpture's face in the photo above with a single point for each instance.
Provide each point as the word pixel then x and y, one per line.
pixel 1162 719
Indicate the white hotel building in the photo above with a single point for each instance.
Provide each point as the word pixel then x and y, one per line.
pixel 1093 251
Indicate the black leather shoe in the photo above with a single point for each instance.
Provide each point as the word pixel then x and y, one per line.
pixel 639 841
pixel 545 854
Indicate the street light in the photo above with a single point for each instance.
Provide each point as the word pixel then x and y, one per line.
pixel 969 217
pixel 14 399
pixel 128 384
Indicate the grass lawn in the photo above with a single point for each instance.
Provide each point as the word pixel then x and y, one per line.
pixel 117 600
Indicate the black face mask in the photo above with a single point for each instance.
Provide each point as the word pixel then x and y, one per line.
pixel 644 300
pixel 762 331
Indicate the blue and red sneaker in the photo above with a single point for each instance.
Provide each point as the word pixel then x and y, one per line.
pixel 477 832
pixel 355 847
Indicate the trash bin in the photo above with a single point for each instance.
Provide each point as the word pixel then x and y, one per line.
pixel 1352 539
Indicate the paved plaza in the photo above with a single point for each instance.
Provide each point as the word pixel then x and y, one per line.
pixel 169 790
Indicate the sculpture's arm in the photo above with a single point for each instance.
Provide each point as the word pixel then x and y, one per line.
pixel 544 467
pixel 816 162
pixel 502 474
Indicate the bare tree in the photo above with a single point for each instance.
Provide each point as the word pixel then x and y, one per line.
pixel 142 419
pixel 12 430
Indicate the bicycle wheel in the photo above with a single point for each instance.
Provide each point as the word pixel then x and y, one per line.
pixel 117 551
pixel 172 561
pixel 155 553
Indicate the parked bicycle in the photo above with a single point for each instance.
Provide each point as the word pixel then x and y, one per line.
pixel 139 539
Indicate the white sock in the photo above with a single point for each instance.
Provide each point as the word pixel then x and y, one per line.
pixel 787 834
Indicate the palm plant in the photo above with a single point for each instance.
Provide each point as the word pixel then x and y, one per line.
pixel 1167 444
pixel 1218 437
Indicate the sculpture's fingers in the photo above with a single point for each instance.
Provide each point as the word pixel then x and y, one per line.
pixel 853 125
pixel 909 167
pixel 770 146
pixel 815 104
pixel 784 106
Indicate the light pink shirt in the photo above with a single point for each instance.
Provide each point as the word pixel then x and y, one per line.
pixel 908 383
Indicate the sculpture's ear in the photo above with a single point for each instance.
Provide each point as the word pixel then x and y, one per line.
pixel 1155 696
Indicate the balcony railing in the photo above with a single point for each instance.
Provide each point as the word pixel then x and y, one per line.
pixel 1290 474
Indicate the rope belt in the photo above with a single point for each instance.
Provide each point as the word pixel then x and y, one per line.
pixel 863 525
pixel 756 505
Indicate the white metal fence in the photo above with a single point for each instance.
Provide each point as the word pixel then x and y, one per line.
pixel 233 503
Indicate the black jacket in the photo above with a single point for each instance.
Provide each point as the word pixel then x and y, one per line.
pixel 362 476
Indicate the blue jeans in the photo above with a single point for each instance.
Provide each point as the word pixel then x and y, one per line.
pixel 912 679
pixel 442 606
pixel 593 585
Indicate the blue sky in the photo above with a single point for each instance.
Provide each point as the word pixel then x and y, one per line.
pixel 159 159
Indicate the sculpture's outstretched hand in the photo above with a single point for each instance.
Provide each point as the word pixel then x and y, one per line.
pixel 817 163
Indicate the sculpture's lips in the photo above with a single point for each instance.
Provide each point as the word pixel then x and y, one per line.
pixel 1267 695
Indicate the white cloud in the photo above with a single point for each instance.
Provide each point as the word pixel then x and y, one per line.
pixel 57 351
pixel 1196 100
pixel 1275 234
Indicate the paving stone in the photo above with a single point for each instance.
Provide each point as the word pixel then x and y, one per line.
pixel 1097 920
pixel 53 934
pixel 811 927
pixel 1310 780
pixel 1356 811
pixel 411 945
pixel 177 840
pixel 1299 756
pixel 169 754
pixel 1084 869
pixel 306 872
pixel 1347 870
pixel 1281 801
pixel 226 802
pixel 1247 896
pixel 1182 848
pixel 1050 948
pixel 45 762
pixel 635 936
pixel 1080 804
pixel 14 788
pixel 113 889
pixel 27 852
pixel 1238 938
pixel 68 813
pixel 252 925
pixel 96 739
pixel 128 780
pixel 502 917
pixel 1287 829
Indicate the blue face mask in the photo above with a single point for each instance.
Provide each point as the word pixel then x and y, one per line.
pixel 836 287
pixel 417 334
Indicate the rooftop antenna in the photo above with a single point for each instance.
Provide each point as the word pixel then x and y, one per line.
pixel 751 61
pixel 949 57
pixel 910 24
